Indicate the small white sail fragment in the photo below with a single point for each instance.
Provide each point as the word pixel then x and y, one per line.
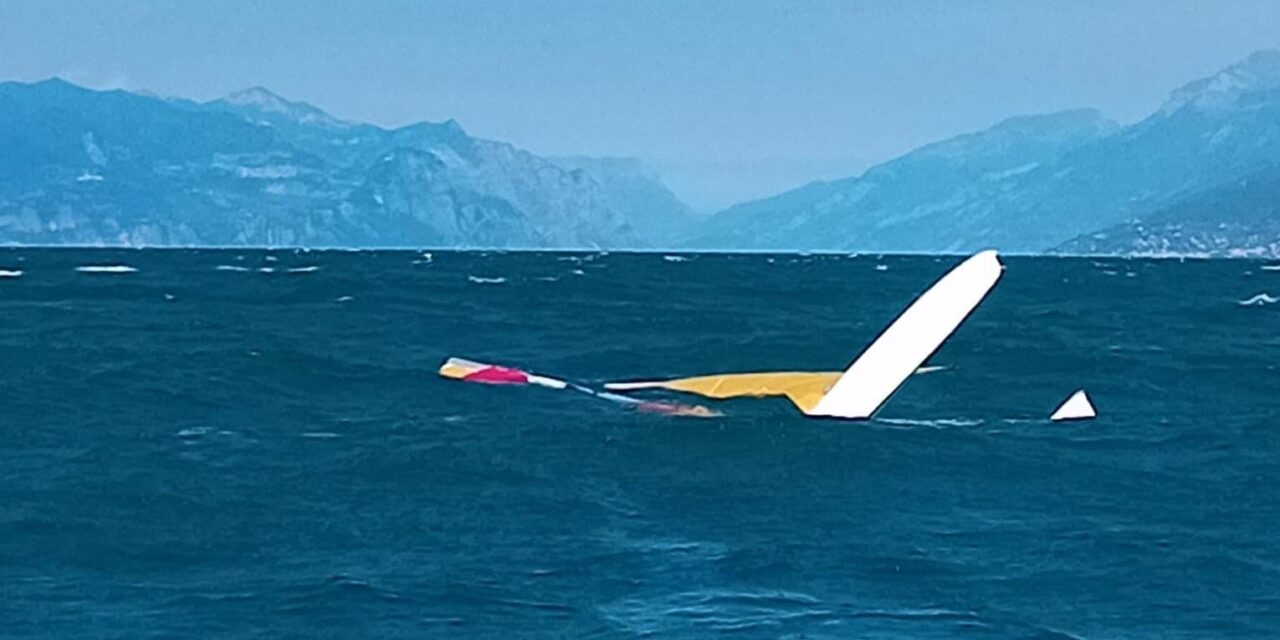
pixel 1077 407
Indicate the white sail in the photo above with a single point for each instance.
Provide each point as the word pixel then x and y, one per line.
pixel 910 340
pixel 1077 407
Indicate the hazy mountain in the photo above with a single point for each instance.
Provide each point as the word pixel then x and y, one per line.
pixel 1239 219
pixel 922 201
pixel 638 193
pixel 253 168
pixel 91 167
pixel 1031 184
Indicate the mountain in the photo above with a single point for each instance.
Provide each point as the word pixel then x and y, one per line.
pixel 918 202
pixel 638 193
pixel 118 168
pixel 1239 219
pixel 1031 184
pixel 253 168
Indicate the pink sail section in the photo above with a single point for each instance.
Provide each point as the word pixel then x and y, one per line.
pixel 460 369
pixel 498 375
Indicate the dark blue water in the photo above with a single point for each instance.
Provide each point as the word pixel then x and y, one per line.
pixel 194 452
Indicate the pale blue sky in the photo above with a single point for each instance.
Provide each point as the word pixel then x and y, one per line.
pixel 730 99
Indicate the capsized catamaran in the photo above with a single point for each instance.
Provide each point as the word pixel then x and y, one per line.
pixel 882 368
pixel 855 394
pixel 469 371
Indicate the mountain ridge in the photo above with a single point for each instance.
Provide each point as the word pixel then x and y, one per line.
pixel 954 196
pixel 115 167
pixel 82 166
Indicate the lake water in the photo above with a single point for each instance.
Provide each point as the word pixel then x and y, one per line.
pixel 255 444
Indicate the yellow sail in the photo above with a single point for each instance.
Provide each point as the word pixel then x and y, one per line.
pixel 803 388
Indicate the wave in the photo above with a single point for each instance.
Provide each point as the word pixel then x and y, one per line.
pixel 106 268
pixel 7 273
pixel 1259 300
pixel 343 299
pixel 940 423
pixel 930 369
pixel 1271 267
pixel 717 610
pixel 913 614
pixel 675 258
pixel 238 269
pixel 480 280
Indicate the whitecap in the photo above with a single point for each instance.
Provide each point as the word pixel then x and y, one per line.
pixel 882 267
pixel 930 369
pixel 1259 300
pixel 675 258
pixel 310 269
pixel 479 280
pixel 343 299
pixel 1271 267
pixel 549 279
pixel 939 423
pixel 270 258
pixel 320 435
pixel 229 267
pixel 7 273
pixel 267 270
pixel 578 272
pixel 106 268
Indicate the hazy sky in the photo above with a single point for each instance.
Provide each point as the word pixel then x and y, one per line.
pixel 729 99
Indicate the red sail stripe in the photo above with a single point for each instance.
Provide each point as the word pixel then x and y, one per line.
pixel 498 375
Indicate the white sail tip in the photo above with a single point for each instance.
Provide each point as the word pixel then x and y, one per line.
pixel 1077 407
pixel 910 339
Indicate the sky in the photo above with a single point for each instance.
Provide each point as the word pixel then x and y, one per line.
pixel 730 100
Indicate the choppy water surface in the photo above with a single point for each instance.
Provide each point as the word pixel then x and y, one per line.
pixel 255 444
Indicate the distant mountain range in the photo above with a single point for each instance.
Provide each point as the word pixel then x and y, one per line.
pixel 1237 219
pixel 1200 176
pixel 1072 181
pixel 117 168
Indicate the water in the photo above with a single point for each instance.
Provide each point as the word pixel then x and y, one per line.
pixel 251 444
